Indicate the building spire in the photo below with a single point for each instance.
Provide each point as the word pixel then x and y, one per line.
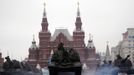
pixel 90 42
pixel 107 57
pixel 33 37
pixel 90 37
pixel 107 49
pixel 78 10
pixel 44 13
pixel 33 42
pixel 107 45
pixel 33 46
pixel 44 20
pixel 78 22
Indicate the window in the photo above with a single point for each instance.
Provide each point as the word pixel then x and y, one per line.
pixel 131 37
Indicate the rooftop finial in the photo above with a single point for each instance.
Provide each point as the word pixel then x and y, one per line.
pixel 78 9
pixel 33 42
pixel 90 36
pixel 107 56
pixel 33 37
pixel 44 14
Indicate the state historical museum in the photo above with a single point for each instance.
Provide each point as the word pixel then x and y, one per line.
pixel 48 43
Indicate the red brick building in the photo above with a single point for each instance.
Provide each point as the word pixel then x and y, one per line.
pixel 47 43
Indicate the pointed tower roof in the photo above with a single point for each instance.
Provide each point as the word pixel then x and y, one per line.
pixel 78 10
pixel 33 46
pixel 63 31
pixel 33 42
pixel 44 13
pixel 90 42
pixel 108 56
pixel 78 22
pixel 107 50
pixel 44 20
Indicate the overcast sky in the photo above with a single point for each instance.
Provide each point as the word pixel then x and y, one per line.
pixel 106 20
